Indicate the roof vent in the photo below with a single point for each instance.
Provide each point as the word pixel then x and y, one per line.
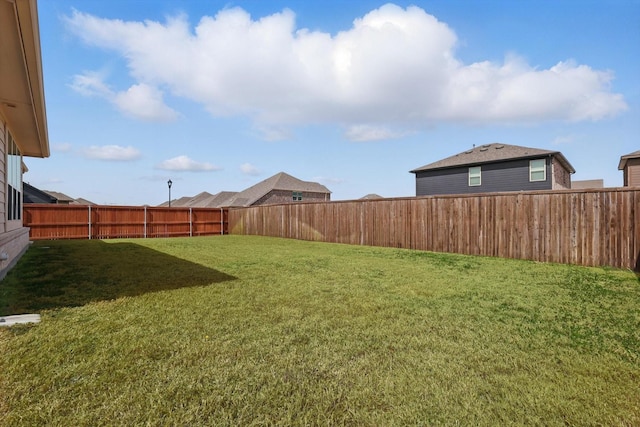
pixel 468 152
pixel 486 146
pixel 499 147
pixel 484 149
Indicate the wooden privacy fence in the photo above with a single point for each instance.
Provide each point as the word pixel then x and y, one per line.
pixel 584 227
pixel 50 222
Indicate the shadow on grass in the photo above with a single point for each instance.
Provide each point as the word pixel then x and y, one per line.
pixel 54 274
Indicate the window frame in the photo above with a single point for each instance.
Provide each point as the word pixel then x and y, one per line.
pixel 297 196
pixel 475 172
pixel 537 169
pixel 13 180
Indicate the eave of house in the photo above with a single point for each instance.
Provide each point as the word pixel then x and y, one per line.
pixel 22 102
pixel 623 159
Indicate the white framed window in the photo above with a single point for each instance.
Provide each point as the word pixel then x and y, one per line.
pixel 14 180
pixel 537 170
pixel 475 176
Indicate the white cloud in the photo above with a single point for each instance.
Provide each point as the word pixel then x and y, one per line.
pixel 144 102
pixel 140 101
pixel 111 152
pixel 91 83
pixel 394 67
pixel 185 164
pixel 361 133
pixel 249 169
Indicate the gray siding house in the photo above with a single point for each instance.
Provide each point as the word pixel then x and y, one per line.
pixel 492 168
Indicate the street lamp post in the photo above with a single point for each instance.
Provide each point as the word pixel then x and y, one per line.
pixel 169 184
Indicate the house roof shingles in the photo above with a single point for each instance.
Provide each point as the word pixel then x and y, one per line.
pixel 491 153
pixel 222 199
pixel 32 194
pixel 623 159
pixel 208 200
pixel 60 197
pixel 81 201
pixel 371 196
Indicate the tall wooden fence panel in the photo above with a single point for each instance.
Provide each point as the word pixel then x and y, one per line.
pixel 50 222
pixel 585 227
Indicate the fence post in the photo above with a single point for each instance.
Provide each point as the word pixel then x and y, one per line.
pixel 221 220
pixel 145 222
pixel 89 222
pixel 190 224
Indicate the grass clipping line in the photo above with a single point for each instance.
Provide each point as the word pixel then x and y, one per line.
pixel 241 330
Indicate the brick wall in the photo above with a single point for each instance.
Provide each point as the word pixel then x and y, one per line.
pixel 285 196
pixel 561 179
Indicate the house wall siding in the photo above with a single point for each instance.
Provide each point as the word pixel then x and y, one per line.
pixel 14 238
pixel 286 196
pixel 510 175
pixel 632 173
pixel 3 184
pixel 14 244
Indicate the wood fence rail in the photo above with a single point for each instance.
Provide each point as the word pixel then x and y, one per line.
pixel 585 227
pixel 52 222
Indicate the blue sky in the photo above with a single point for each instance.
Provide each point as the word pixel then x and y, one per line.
pixel 219 95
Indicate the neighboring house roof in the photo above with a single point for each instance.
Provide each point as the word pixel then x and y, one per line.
pixel 32 194
pixel 493 153
pixel 82 201
pixel 279 181
pixel 202 200
pixel 176 203
pixel 208 200
pixel 623 159
pixel 60 197
pixel 247 197
pixel 21 78
pixel 221 199
pixel 371 196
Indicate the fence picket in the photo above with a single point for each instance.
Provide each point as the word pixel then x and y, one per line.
pixel 599 227
pixel 52 222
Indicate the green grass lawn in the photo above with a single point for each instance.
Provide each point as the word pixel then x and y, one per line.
pixel 240 330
